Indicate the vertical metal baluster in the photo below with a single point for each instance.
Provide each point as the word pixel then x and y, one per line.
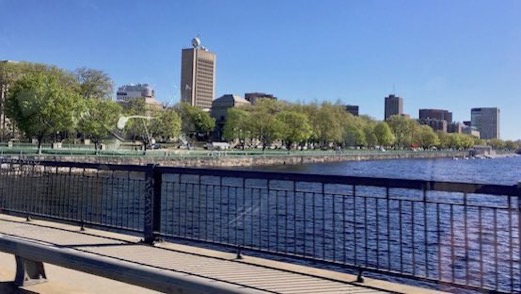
pixel 268 211
pixel 388 204
pixel 400 231
pixel 113 200
pixel 58 191
pixel 206 218
pixel 228 214
pixel 519 233
pixel 304 194
pixel 194 210
pixel 116 195
pixel 183 198
pixel 438 234
pixel 466 233
pixel 510 245
pixel 98 199
pixel 286 217
pixel 81 198
pixel 198 211
pixel 244 211
pixel 366 233
pixel 480 247
pixel 495 232
pixel 425 231
pixel 355 245
pixel 214 212
pixel 333 200
pixel 413 237
pixel 377 232
pixel 260 218
pixel 323 222
pixel 276 220
pixel 128 200
pixel 314 222
pixel 252 220
pixel 220 210
pixel 452 245
pixel 344 229
pixel 236 217
pixel 295 218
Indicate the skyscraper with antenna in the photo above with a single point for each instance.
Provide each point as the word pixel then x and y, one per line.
pixel 197 75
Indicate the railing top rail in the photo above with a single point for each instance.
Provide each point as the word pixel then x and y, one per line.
pixel 490 189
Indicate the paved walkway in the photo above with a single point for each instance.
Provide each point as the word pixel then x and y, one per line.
pixel 250 274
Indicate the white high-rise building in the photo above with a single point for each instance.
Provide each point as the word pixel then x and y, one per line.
pixel 486 121
pixel 128 92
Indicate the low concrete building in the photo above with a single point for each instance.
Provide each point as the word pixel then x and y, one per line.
pixel 220 107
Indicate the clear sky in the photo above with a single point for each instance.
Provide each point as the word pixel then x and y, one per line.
pixel 445 54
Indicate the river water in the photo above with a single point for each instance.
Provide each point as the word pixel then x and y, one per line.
pixel 443 238
pixel 504 170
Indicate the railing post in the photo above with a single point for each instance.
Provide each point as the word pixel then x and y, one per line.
pixel 152 215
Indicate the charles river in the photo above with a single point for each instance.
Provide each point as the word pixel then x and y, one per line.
pixel 501 170
pixel 472 240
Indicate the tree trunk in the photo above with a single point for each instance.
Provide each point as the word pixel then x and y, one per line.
pixel 39 138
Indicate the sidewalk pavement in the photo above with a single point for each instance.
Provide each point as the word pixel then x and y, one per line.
pixel 62 281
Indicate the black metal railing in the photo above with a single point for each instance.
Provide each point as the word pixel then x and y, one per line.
pixel 454 234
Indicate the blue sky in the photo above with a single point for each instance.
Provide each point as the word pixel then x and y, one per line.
pixel 445 54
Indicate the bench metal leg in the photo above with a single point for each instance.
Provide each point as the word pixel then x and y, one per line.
pixel 29 272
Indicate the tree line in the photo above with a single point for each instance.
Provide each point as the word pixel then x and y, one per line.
pixel 329 125
pixel 51 104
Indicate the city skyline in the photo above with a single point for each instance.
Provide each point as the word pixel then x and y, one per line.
pixel 445 55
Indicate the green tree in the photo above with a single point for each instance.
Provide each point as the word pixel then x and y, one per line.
pixel 467 141
pixel 166 124
pixel 99 119
pixel 237 125
pixel 264 125
pixel 93 84
pixel 327 121
pixel 404 130
pixel 138 128
pixel 454 141
pixel 40 105
pixel 368 128
pixel 195 121
pixel 295 127
pixel 427 138
pixel 496 144
pixel 511 145
pixel 383 133
pixel 354 136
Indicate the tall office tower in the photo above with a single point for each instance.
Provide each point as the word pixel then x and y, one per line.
pixel 486 121
pixel 198 76
pixel 393 106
